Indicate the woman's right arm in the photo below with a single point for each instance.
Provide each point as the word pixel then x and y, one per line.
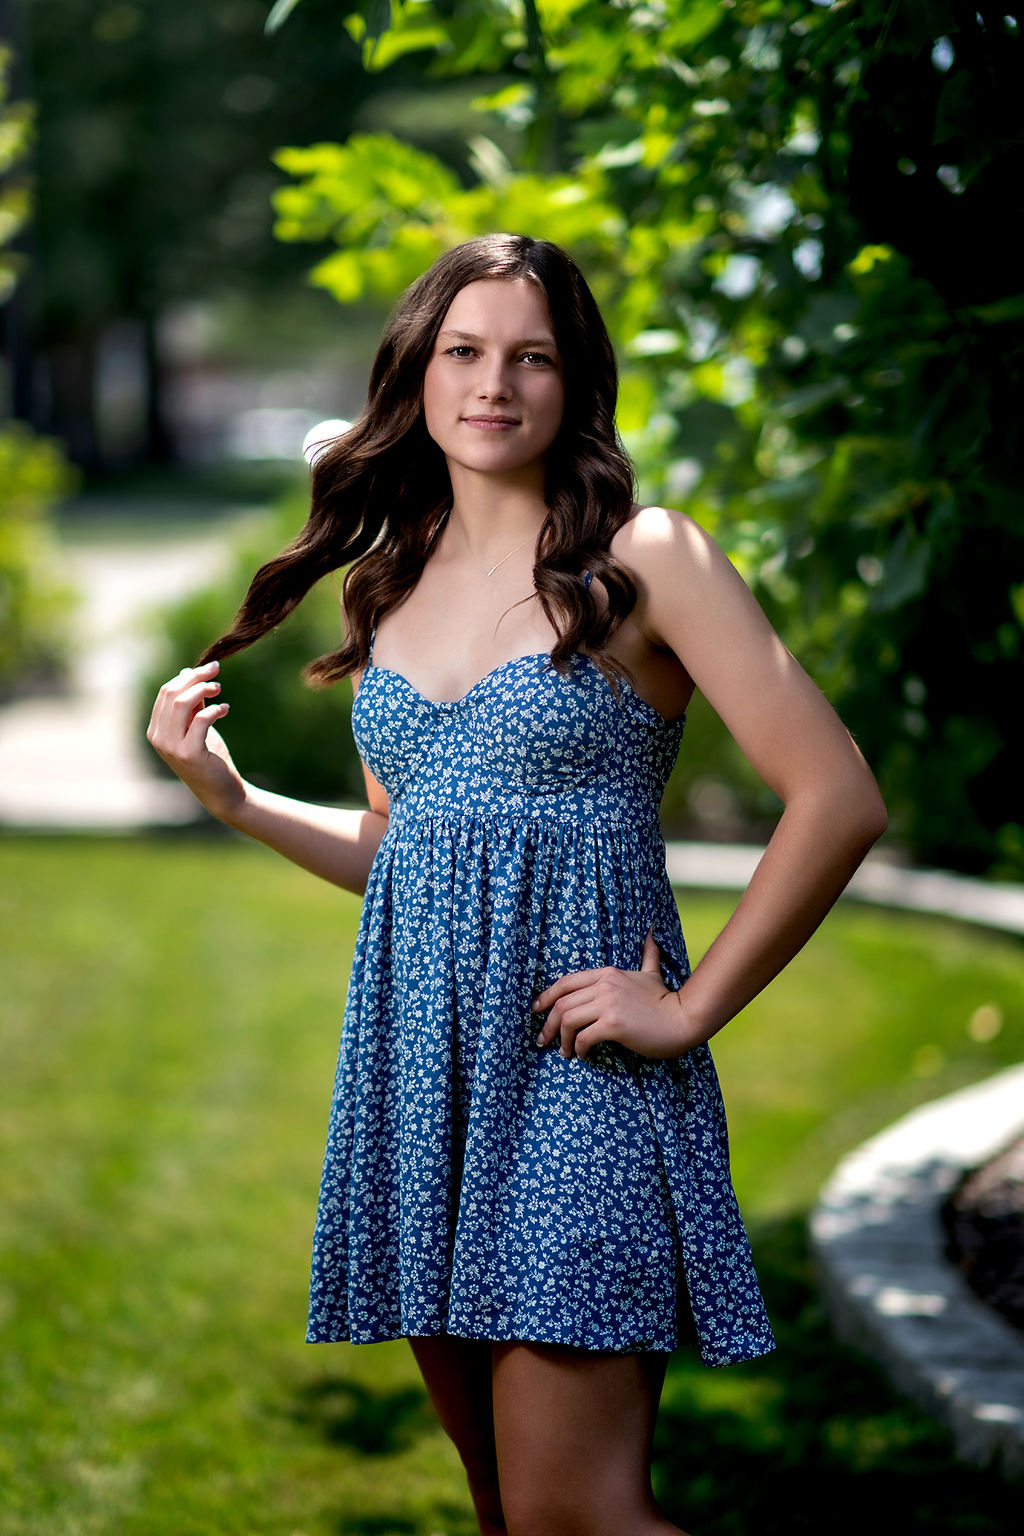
pixel 338 845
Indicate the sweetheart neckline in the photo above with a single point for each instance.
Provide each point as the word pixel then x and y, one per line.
pixel 657 717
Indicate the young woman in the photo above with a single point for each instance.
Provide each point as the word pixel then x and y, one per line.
pixel 527 1167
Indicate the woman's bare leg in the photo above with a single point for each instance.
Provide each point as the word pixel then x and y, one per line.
pixel 457 1373
pixel 573 1432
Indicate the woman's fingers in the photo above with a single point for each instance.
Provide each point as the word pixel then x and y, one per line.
pixel 561 995
pixel 577 1001
pixel 634 1008
pixel 180 701
pixel 568 983
pixel 186 690
pixel 206 717
pixel 181 730
pixel 187 677
pixel 589 1037
pixel 583 1008
pixel 578 1009
pixel 195 697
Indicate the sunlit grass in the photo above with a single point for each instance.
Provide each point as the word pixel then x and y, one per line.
pixel 170 1018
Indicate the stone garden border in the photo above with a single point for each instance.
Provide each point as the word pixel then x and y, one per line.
pixel 879 1246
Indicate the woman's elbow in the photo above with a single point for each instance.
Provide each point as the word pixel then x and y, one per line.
pixel 846 800
pixel 865 810
pixel 876 817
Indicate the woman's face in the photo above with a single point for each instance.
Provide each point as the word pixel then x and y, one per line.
pixel 494 388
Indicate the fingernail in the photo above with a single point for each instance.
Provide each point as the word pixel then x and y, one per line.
pixel 540 1039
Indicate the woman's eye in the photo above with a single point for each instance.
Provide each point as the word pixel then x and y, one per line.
pixel 463 352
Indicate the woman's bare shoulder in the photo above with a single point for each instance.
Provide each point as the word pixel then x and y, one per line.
pixel 664 546
pixel 657 527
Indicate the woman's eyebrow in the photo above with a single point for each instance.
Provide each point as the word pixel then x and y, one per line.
pixel 532 341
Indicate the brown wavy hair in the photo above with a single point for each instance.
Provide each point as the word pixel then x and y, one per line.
pixel 381 492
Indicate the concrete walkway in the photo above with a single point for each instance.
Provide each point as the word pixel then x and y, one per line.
pixel 992 903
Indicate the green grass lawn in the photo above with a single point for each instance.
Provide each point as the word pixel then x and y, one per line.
pixel 170 1013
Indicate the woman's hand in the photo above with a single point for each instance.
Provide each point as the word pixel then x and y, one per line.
pixel 634 1008
pixel 181 731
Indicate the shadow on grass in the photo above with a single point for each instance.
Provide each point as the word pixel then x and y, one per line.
pixel 443 1520
pixel 347 1413
pixel 378 1525
pixel 811 1438
pixel 377 1424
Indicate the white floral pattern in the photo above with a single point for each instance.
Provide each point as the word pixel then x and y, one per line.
pixel 474 1183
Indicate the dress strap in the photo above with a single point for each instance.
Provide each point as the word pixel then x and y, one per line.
pixel 588 577
pixel 369 654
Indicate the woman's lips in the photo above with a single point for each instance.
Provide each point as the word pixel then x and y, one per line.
pixel 491 423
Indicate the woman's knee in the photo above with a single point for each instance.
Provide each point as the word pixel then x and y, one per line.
pixel 539 1512
pixel 556 1513
pixel 537 1504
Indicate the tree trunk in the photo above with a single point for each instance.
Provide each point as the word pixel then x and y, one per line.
pixel 71 409
pixel 160 446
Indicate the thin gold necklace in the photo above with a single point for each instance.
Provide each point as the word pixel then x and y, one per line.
pixel 511 552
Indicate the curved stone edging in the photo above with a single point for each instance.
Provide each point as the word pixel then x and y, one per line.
pixel 879 1245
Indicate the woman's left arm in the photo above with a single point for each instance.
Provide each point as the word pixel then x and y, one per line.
pixel 692 600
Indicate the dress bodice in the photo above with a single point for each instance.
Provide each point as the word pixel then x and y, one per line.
pixel 524 741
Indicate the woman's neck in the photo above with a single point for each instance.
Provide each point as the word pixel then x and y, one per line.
pixel 486 513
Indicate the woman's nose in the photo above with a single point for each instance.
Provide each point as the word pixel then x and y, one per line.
pixel 494 383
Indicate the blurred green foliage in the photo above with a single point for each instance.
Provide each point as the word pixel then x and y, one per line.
pixel 34 602
pixel 801 225
pixel 294 740
pixel 16 121
pixel 33 472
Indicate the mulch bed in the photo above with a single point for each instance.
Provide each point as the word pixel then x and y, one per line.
pixel 984 1222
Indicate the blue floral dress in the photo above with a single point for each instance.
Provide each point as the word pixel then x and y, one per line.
pixel 474 1183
